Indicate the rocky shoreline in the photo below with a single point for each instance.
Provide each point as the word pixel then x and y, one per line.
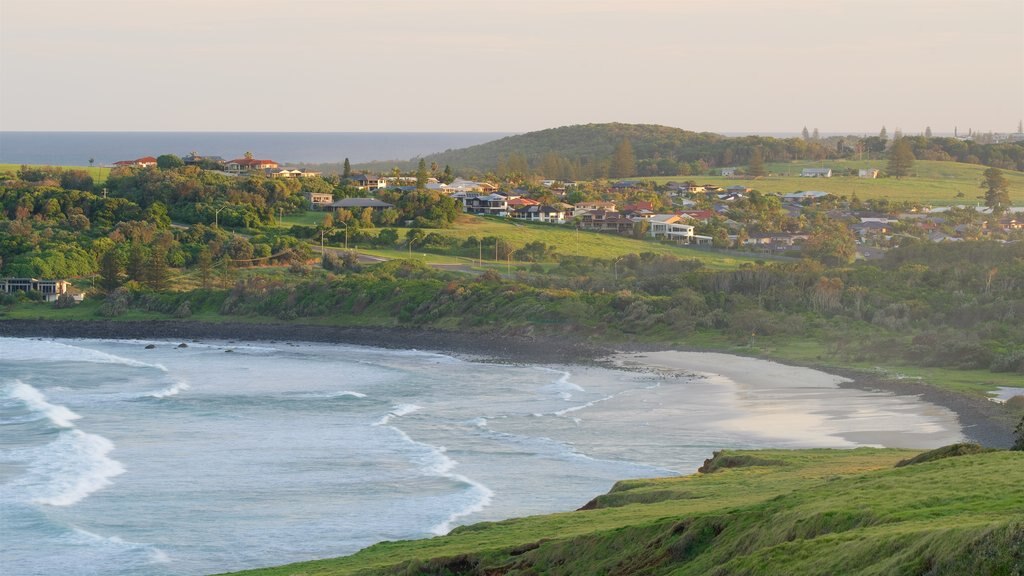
pixel 982 421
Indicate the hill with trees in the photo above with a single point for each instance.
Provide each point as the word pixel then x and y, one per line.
pixel 590 151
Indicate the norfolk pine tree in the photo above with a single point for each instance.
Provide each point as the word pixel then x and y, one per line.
pixel 421 175
pixel 901 158
pixel 997 191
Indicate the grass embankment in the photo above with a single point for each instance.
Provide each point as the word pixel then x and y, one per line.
pixel 761 512
pixel 99 173
pixel 931 182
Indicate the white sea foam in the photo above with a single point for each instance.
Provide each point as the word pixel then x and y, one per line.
pixel 73 466
pixel 172 390
pixel 571 409
pixel 17 350
pixel 561 386
pixel 60 416
pixel 397 412
pixel 154 555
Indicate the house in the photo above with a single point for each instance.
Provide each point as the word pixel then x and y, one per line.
pixel 366 182
pixel 541 213
pixel 144 162
pixel 460 185
pixel 193 158
pixel 595 205
pixel 354 204
pixel 729 171
pixel 320 200
pixel 867 173
pixel 816 173
pixel 808 195
pixel 606 221
pixel 50 289
pixel 701 216
pixel 519 202
pixel 489 205
pixel 670 227
pixel 240 165
pixel 638 207
pixel 291 173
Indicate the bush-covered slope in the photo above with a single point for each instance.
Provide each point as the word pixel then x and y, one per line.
pixel 589 142
pixel 766 512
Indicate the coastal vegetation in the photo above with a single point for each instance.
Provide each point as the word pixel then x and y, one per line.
pixel 750 512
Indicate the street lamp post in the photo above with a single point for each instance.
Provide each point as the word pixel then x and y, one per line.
pixel 216 216
pixel 615 268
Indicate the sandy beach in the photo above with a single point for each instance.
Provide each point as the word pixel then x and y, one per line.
pixel 787 402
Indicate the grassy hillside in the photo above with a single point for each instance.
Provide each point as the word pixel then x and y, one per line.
pixel 564 239
pixel 931 182
pixel 759 512
pixel 99 173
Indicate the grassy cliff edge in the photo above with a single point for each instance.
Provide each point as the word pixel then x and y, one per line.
pixel 751 512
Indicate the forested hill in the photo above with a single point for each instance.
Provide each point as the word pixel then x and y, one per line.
pixel 582 144
pixel 590 151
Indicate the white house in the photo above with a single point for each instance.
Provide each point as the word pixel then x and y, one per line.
pixel 816 173
pixel 670 227
pixel 728 171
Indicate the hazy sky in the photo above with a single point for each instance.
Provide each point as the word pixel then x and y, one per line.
pixel 504 65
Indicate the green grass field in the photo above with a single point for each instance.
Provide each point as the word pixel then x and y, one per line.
pixel 565 240
pixel 932 183
pixel 764 512
pixel 99 173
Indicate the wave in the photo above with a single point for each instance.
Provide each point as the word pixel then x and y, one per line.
pixel 437 463
pixel 154 554
pixel 565 411
pixel 561 386
pixel 60 416
pixel 172 390
pixel 71 467
pixel 328 395
pixel 49 351
pixel 397 412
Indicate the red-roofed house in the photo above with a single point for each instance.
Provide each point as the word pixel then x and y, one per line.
pixel 144 162
pixel 239 165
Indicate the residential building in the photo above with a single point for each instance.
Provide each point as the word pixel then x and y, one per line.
pixel 50 289
pixel 729 171
pixel 489 205
pixel 353 204
pixel 144 162
pixel 670 227
pixel 240 165
pixel 816 173
pixel 541 213
pixel 367 182
pixel 292 173
pixel 320 200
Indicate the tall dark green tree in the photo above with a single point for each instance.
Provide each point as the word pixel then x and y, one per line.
pixel 346 170
pixel 169 161
pixel 111 273
pixel 756 167
pixel 623 161
pixel 205 265
pixel 157 273
pixel 883 134
pixel 447 177
pixel 136 262
pixel 805 134
pixel 927 131
pixel 997 191
pixel 901 158
pixel 421 175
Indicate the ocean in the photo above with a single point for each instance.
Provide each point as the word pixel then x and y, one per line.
pixel 105 148
pixel 120 460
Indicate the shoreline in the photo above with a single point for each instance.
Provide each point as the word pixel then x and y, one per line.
pixel 979 419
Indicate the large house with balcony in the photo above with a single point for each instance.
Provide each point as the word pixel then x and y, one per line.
pixel 240 165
